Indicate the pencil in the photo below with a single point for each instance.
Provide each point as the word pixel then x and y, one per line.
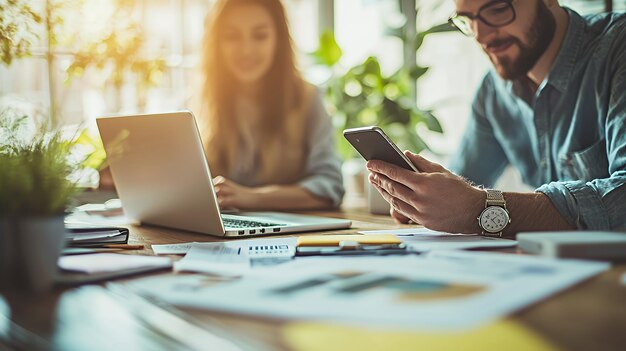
pixel 123 246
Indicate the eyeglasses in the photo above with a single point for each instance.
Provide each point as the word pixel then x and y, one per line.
pixel 495 14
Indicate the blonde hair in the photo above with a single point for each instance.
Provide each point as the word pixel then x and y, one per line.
pixel 283 101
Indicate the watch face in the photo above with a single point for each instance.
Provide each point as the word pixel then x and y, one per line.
pixel 494 219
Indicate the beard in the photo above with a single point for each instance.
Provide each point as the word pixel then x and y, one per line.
pixel 539 37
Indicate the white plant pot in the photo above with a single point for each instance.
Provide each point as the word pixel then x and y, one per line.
pixel 29 251
pixel 376 203
pixel 353 171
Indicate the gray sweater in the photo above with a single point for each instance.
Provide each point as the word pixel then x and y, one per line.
pixel 322 173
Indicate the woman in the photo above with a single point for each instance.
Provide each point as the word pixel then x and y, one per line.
pixel 266 133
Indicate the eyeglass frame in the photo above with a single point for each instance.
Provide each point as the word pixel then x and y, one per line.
pixel 482 19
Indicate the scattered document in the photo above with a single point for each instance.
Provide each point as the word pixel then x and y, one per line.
pixel 172 249
pixel 266 248
pixel 422 239
pixel 255 248
pixel 438 291
pixel 233 258
pixel 214 259
pixel 109 262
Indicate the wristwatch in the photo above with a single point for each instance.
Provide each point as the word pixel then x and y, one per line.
pixel 495 216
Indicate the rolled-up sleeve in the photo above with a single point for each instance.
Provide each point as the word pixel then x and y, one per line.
pixel 600 204
pixel 323 166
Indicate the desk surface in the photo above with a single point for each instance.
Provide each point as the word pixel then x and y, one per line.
pixel 590 316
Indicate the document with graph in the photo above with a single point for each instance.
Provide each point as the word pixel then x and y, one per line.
pixel 439 291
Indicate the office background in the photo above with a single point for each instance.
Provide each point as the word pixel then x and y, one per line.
pixel 77 76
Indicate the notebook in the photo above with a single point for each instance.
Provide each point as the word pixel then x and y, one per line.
pixel 94 237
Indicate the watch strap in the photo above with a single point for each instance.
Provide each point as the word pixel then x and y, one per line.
pixel 495 198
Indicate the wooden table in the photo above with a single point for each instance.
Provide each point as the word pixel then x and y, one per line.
pixel 590 316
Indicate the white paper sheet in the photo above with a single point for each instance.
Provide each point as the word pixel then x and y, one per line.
pixel 84 218
pixel 422 239
pixel 256 248
pixel 232 258
pixel 408 232
pixel 172 249
pixel 109 262
pixel 214 259
pixel 439 291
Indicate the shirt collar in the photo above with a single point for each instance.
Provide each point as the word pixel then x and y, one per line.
pixel 561 72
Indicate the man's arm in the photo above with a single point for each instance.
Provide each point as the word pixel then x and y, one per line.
pixel 532 212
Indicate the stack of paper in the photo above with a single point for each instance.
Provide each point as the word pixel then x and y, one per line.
pixel 91 237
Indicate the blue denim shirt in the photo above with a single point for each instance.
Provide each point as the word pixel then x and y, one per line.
pixel 569 138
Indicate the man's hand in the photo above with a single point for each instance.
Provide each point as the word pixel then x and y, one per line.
pixel 435 197
pixel 231 195
pixel 398 217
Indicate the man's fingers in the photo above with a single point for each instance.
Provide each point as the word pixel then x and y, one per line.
pixel 423 164
pixel 394 189
pixel 398 205
pixel 398 217
pixel 219 180
pixel 395 173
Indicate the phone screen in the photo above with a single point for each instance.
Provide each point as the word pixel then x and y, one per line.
pixel 373 144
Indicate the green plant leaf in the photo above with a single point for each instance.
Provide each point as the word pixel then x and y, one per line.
pixel 432 122
pixel 372 66
pixel 397 32
pixel 328 53
pixel 417 71
pixel 419 40
pixel 440 28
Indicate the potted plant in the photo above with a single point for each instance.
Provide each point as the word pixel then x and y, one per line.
pixel 363 95
pixel 36 187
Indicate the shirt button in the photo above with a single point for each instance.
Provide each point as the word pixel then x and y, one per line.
pixel 544 163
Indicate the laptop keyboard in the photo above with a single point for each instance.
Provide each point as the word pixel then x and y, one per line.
pixel 246 223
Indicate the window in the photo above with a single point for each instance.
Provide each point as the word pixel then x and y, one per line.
pixel 170 30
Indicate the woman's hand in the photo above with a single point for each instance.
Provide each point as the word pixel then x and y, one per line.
pixel 106 180
pixel 231 195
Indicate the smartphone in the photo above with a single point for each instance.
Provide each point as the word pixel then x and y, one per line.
pixel 373 144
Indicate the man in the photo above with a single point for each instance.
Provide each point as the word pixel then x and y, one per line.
pixel 554 107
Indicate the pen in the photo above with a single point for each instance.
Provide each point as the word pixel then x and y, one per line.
pixel 122 246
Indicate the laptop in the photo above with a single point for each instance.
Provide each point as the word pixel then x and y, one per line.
pixel 162 178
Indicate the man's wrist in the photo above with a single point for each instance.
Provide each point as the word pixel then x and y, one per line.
pixel 478 205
